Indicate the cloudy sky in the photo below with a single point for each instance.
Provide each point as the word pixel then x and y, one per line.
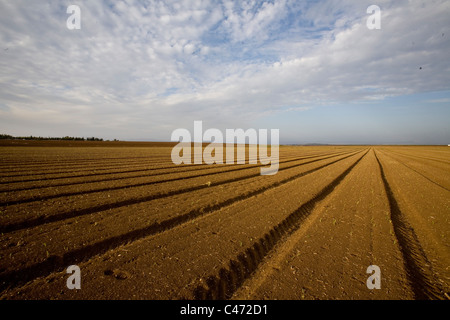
pixel 137 70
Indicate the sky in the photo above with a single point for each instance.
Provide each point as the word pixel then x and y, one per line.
pixel 138 70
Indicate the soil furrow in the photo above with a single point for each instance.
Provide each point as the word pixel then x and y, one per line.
pixel 77 161
pixel 419 270
pixel 219 171
pixel 191 245
pixel 140 227
pixel 418 172
pixel 43 219
pixel 51 169
pixel 171 170
pixel 57 175
pixel 84 253
pixel 415 156
pixel 158 166
pixel 327 257
pixel 241 267
pixel 62 162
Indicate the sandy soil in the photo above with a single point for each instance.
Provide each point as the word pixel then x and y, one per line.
pixel 140 227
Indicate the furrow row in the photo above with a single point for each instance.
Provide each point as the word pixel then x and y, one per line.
pixel 113 176
pixel 16 170
pixel 417 264
pixel 55 261
pixel 230 278
pixel 414 155
pixel 436 176
pixel 41 217
pixel 44 173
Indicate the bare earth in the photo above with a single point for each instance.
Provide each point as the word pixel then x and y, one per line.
pixel 140 227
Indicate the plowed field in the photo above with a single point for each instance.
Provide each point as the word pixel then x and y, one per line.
pixel 140 227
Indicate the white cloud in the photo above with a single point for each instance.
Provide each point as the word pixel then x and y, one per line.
pixel 139 67
pixel 252 19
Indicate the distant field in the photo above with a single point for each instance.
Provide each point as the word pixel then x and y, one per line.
pixel 140 227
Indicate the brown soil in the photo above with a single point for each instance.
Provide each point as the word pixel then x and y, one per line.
pixel 140 227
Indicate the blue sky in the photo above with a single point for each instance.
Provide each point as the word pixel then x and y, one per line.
pixel 137 70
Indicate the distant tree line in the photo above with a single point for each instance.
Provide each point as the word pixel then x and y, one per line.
pixel 9 137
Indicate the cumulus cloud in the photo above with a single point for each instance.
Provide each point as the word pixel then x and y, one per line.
pixel 139 69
